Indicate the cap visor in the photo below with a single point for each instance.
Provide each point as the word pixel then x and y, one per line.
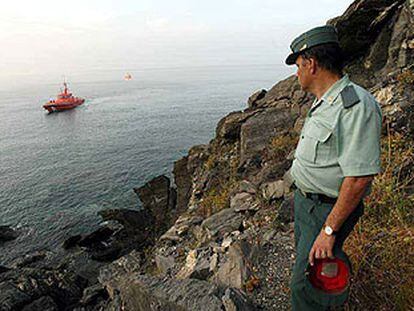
pixel 291 59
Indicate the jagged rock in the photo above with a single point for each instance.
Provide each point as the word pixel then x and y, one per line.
pixel 19 287
pixel 44 303
pixel 92 294
pixel 11 297
pixel 127 264
pixel 29 259
pixel 131 220
pixel 243 202
pixel 259 129
pixel 197 265
pixel 236 300
pixel 228 128
pixel 273 190
pixel 171 235
pixel 100 235
pixel 155 196
pixel 145 293
pixel 222 222
pixel 237 270
pixel 182 179
pixel 72 241
pixel 164 263
pixel 7 234
pixel 4 269
pixel 255 97
pixel 247 186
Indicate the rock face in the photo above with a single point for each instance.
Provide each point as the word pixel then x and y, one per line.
pixel 158 198
pixel 257 131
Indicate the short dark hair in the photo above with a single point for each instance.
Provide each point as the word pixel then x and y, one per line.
pixel 329 56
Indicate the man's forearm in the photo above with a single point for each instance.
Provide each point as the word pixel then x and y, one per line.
pixel 350 194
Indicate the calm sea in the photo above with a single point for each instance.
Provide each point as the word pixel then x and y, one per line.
pixel 58 170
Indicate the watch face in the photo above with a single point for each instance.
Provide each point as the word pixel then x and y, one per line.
pixel 328 230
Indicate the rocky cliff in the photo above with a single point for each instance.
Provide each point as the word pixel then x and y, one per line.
pixel 221 239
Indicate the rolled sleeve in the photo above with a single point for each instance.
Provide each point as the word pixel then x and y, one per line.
pixel 359 133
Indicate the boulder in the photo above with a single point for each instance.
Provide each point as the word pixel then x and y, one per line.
pixel 164 263
pixel 225 221
pixel 7 234
pixel 273 190
pixel 247 186
pixel 133 221
pixel 238 268
pixel 244 201
pixel 197 265
pixel 255 97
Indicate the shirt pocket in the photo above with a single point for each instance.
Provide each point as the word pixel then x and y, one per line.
pixel 314 145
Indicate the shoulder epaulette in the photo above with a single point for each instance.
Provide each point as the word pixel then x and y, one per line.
pixel 349 97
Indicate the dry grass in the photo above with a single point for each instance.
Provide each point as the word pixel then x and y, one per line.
pixel 382 245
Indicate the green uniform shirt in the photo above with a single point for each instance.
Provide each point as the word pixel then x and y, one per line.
pixel 337 141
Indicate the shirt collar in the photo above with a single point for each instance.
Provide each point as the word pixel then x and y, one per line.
pixel 332 93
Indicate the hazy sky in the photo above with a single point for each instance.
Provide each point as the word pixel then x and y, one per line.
pixel 54 37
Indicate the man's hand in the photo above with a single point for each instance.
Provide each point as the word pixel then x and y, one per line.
pixel 322 247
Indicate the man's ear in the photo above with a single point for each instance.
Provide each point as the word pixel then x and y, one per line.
pixel 312 65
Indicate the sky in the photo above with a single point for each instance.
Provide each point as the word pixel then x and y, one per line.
pixel 54 37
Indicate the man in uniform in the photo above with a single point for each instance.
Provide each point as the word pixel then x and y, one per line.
pixel 337 156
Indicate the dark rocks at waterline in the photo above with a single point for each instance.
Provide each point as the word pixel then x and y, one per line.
pixel 106 244
pixel 159 199
pixel 7 234
pixel 29 289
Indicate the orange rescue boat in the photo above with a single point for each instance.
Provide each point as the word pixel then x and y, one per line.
pixel 64 101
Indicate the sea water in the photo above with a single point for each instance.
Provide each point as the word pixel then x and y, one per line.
pixel 58 170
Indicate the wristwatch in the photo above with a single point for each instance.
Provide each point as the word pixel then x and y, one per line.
pixel 329 231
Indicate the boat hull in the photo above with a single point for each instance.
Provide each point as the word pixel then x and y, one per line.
pixel 57 107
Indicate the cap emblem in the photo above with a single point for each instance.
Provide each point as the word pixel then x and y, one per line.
pixel 303 47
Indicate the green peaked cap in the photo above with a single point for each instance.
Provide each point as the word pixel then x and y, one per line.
pixel 315 36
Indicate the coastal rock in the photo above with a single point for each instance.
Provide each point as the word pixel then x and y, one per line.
pixel 164 264
pixel 7 234
pixel 237 269
pixel 156 197
pixel 247 186
pixel 182 178
pixel 44 303
pixel 4 269
pixel 259 129
pixel 197 265
pixel 273 190
pixel 244 201
pixel 92 294
pixel 146 293
pixel 11 297
pixel 255 97
pixel 225 221
pixel 236 300
pixel 131 220
pixel 21 287
pixel 228 128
